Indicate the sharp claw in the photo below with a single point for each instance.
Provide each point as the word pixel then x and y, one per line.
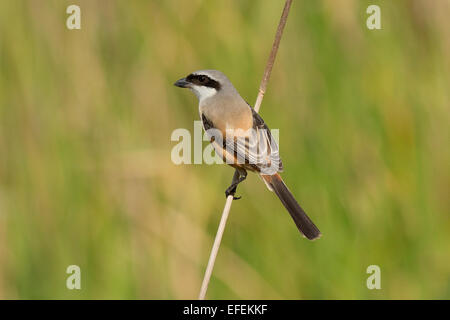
pixel 231 192
pixel 236 198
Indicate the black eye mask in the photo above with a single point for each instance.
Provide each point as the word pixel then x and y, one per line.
pixel 203 80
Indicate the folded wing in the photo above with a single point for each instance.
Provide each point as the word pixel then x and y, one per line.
pixel 254 149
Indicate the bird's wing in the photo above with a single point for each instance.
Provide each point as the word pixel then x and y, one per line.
pixel 257 150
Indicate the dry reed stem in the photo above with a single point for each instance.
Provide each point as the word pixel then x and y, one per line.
pixel 261 92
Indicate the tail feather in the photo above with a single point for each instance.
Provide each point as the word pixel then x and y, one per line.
pixel 303 222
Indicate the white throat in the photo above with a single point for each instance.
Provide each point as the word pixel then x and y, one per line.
pixel 203 92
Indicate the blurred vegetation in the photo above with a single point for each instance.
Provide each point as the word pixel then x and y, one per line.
pixel 85 172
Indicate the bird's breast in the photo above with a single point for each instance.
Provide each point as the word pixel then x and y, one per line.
pixel 235 117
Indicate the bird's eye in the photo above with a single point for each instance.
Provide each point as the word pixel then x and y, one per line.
pixel 202 79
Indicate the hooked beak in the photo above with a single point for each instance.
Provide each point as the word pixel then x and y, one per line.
pixel 182 83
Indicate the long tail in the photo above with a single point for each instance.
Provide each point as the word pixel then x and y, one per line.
pixel 303 222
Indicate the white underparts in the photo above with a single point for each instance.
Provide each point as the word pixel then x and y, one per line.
pixel 203 92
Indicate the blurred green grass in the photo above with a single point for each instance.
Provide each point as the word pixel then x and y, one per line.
pixel 85 172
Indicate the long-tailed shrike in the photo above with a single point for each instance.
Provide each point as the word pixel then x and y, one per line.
pixel 240 136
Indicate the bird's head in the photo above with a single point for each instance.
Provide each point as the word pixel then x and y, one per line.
pixel 204 83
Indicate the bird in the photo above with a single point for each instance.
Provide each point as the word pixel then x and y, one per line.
pixel 241 137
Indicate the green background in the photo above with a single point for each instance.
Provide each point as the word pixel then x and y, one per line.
pixel 86 176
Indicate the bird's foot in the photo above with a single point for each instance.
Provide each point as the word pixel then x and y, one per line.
pixel 231 190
